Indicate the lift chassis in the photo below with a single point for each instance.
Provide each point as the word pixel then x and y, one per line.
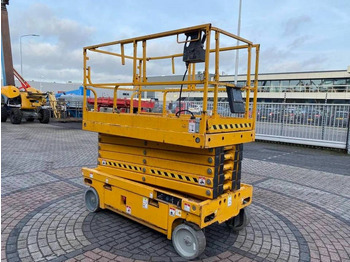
pixel 176 173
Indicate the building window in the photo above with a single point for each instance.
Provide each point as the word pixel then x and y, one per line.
pixel 275 84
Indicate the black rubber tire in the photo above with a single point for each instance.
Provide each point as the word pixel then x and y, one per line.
pixel 92 200
pixel 240 221
pixel 16 116
pixel 188 240
pixel 3 114
pixel 44 116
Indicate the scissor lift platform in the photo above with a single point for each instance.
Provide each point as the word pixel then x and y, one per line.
pixel 184 131
pixel 201 173
pixel 174 172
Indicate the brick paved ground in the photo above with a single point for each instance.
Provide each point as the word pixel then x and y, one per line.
pixel 298 214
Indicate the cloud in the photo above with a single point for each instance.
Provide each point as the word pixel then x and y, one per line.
pixel 57 53
pixel 297 65
pixel 298 42
pixel 292 25
pixel 280 60
pixel 40 19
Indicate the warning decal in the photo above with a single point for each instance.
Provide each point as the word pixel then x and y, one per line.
pixel 229 201
pixel 187 207
pixel 201 181
pixel 192 126
pixel 178 213
pixel 145 202
pixel 172 211
pixel 128 210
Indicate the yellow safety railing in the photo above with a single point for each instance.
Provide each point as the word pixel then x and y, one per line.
pixel 139 59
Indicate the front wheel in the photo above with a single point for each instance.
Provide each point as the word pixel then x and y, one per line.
pixel 240 221
pixel 16 116
pixel 44 116
pixel 188 241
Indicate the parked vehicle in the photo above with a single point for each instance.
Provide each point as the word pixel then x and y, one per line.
pixel 341 119
pixel 268 115
pixel 309 116
pixel 289 115
pixel 314 117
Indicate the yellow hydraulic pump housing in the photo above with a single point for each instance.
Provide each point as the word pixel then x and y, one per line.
pixel 174 171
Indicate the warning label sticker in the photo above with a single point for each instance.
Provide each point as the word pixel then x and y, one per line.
pixel 178 213
pixel 128 210
pixel 229 201
pixel 172 211
pixel 187 207
pixel 201 181
pixel 104 162
pixel 192 126
pixel 145 202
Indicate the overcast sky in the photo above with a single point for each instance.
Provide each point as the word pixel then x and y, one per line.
pixel 295 35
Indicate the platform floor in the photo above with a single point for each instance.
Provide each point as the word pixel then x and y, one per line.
pixel 300 210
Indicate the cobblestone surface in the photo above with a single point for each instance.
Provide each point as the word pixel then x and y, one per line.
pixel 297 214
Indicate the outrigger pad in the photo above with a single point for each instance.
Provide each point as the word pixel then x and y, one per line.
pixel 235 99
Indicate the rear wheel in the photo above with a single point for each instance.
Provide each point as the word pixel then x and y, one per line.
pixel 92 201
pixel 240 221
pixel 44 116
pixel 188 241
pixel 16 116
pixel 3 114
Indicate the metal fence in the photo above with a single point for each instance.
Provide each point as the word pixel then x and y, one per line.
pixel 325 125
pixel 310 124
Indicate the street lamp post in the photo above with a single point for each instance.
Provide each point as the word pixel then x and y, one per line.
pixel 20 49
pixel 238 34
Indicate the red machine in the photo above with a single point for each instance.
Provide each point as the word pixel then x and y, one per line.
pixel 122 103
pixel 24 83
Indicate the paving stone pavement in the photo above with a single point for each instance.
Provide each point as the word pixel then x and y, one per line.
pixel 297 214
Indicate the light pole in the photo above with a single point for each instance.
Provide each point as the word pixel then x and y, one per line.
pixel 238 34
pixel 20 48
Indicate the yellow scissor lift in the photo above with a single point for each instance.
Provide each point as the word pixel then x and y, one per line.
pixel 176 173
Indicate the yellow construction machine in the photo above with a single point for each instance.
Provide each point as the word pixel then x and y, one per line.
pixel 176 173
pixel 24 102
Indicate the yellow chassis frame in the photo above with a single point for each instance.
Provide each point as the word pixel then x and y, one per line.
pixel 142 203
